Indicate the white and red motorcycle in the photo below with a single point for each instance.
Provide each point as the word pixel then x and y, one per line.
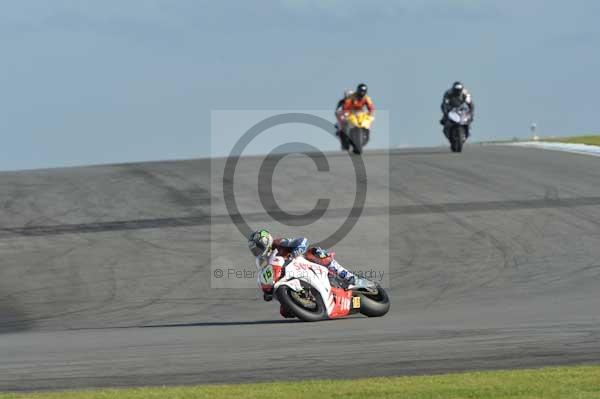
pixel 308 291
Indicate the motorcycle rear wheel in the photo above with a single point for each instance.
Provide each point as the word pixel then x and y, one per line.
pixel 374 305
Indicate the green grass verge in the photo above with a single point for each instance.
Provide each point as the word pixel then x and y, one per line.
pixel 591 140
pixel 557 382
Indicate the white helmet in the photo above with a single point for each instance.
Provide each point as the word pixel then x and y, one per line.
pixel 348 93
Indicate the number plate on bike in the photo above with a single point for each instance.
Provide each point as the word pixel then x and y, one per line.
pixel 356 302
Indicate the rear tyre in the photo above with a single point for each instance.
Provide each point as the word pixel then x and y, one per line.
pixel 307 306
pixel 374 305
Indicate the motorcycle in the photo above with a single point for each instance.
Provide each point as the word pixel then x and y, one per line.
pixel 461 118
pixel 307 291
pixel 357 130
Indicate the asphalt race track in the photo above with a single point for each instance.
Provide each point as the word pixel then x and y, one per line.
pixel 105 271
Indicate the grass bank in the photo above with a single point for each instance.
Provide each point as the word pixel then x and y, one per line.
pixel 558 382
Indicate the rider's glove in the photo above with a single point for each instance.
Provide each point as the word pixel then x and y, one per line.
pixel 298 251
pixel 320 252
pixel 268 296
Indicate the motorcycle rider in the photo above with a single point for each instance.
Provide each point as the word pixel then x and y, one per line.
pixel 339 114
pixel 262 245
pixel 358 101
pixel 455 97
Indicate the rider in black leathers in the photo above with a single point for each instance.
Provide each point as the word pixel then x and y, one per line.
pixel 454 97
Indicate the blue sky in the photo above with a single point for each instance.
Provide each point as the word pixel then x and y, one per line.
pixel 88 82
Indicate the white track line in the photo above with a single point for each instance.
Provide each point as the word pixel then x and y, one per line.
pixel 574 148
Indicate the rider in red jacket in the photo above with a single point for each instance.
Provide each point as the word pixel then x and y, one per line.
pixel 359 100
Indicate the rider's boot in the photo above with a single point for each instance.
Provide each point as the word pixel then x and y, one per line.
pixel 341 272
pixel 350 280
pixel 343 136
pixel 343 275
pixel 344 141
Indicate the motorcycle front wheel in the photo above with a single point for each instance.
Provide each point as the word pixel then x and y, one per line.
pixel 457 138
pixel 307 305
pixel 357 137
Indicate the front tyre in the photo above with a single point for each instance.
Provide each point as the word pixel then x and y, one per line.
pixel 307 305
pixel 357 136
pixel 374 305
pixel 458 138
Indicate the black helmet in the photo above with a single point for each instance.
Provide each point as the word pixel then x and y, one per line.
pixel 361 90
pixel 457 87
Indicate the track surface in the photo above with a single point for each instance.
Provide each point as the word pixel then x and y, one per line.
pixel 105 272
